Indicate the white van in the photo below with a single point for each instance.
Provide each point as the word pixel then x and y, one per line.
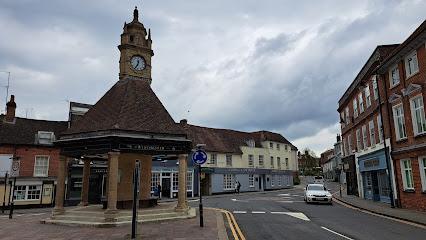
pixel 319 180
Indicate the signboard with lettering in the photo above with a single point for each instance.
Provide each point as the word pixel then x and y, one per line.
pixel 371 163
pixel 150 147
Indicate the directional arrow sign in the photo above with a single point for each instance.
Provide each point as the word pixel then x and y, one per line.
pixel 199 157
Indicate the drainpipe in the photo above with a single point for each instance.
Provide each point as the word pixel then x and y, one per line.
pixel 384 142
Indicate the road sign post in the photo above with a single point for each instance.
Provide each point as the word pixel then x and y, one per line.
pixel 6 179
pixel 16 165
pixel 200 157
pixel 136 186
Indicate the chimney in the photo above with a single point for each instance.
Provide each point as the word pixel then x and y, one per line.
pixel 338 138
pixel 184 122
pixel 11 107
pixel 306 153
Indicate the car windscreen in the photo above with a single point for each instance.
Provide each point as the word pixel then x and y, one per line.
pixel 318 177
pixel 316 188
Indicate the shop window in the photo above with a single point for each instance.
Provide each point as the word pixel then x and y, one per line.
pixel 251 180
pixel 189 182
pixel 175 181
pixel 228 181
pixel 279 180
pixel 272 180
pixel 155 180
pixel 384 184
pixel 23 193
pixel 368 185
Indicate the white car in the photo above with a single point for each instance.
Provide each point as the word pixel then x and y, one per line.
pixel 319 179
pixel 317 193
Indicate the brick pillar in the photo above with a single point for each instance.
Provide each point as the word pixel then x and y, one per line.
pixel 112 182
pixel 60 187
pixel 85 189
pixel 182 206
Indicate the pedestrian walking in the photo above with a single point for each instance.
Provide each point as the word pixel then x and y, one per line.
pixel 238 187
pixel 159 191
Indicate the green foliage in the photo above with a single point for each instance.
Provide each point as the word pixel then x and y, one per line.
pixel 296 181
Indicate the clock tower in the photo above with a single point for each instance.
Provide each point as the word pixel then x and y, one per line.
pixel 135 51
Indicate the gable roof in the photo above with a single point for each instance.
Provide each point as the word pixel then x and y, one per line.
pixel 24 130
pixel 229 141
pixel 130 105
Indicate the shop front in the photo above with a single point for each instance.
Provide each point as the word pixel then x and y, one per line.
pixel 373 171
pixel 351 175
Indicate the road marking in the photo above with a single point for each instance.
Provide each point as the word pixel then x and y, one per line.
pixel 235 200
pixel 338 234
pixel 284 194
pixel 25 214
pixel 229 216
pixel 196 200
pixel 256 212
pixel 240 211
pixel 294 214
pixel 285 201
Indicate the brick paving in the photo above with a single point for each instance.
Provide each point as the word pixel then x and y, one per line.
pixel 29 227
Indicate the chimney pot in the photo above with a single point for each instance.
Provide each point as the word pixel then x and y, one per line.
pixel 184 122
pixel 10 110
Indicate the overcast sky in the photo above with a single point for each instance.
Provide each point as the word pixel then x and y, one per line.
pixel 246 65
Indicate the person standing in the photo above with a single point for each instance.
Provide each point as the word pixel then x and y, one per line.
pixel 238 187
pixel 159 191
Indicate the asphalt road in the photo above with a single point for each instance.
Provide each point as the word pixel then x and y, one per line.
pixel 284 215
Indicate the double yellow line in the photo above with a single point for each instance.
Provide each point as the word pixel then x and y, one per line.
pixel 232 223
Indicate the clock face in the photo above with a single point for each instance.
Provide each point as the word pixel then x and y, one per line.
pixel 138 63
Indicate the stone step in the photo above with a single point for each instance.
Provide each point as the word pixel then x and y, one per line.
pixel 150 216
pixel 71 217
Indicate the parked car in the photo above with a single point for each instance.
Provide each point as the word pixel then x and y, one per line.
pixel 317 193
pixel 319 179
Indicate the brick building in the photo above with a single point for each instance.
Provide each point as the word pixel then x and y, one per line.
pixel 328 164
pixel 403 75
pixel 31 142
pixel 364 156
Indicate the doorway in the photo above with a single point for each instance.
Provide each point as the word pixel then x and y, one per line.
pixel 165 187
pixel 376 191
pixel 260 182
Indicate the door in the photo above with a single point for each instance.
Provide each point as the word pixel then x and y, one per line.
pixel 260 182
pixel 95 189
pixel 165 187
pixel 375 183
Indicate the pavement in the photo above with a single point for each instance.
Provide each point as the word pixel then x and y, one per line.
pixel 380 208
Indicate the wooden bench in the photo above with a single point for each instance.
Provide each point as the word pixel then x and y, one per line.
pixel 128 204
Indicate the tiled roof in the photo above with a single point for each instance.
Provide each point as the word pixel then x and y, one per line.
pixel 130 105
pixel 228 141
pixel 24 130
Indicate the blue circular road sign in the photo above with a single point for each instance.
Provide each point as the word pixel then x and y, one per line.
pixel 199 157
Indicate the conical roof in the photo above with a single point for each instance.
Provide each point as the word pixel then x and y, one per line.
pixel 130 105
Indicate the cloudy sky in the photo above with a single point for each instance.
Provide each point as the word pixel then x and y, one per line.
pixel 246 65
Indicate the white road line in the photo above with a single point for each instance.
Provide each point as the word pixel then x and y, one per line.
pixel 196 200
pixel 284 194
pixel 285 201
pixel 240 211
pixel 255 212
pixel 338 234
pixel 24 214
pixel 294 214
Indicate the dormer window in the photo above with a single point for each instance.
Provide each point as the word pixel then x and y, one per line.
pixel 45 137
pixel 250 143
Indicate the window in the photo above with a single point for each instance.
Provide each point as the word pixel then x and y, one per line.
pixel 286 163
pixel 213 159
pixel 45 137
pixel 278 162
pixel 23 193
pixel 379 128
pixel 272 162
pixel 407 174
pixel 189 181
pixel 367 96
pixel 288 181
pixel 41 166
pixel 251 180
pixel 342 119
pixel 344 147
pixel 272 180
pixel 355 104
pixel 422 164
pixel 271 145
pixel 347 116
pixel 155 180
pixel 285 147
pixel 361 103
pixel 372 134
pixel 368 188
pixel 411 65
pixel 375 88
pixel 418 114
pixel 250 143
pixel 279 180
pixel 394 76
pixel 261 160
pixel 384 183
pixel 398 117
pixel 364 136
pixel 228 181
pixel 175 181
pixel 358 140
pixel 278 147
pixel 349 145
pixel 229 160
pixel 250 160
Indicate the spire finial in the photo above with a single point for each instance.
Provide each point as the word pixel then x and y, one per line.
pixel 135 14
